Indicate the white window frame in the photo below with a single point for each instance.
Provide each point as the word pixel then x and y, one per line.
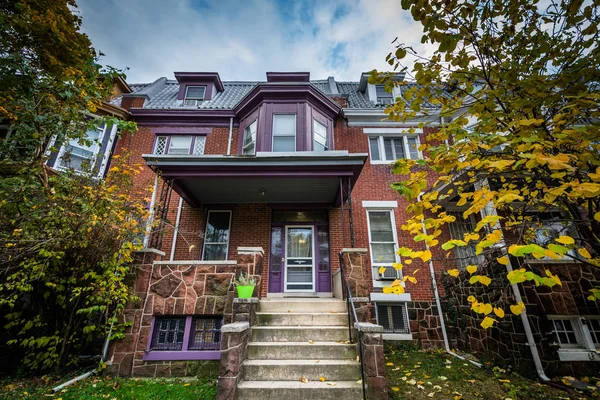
pixel 196 100
pixel 452 208
pixel 189 149
pixel 273 131
pixel 228 235
pixel 326 144
pixel 253 141
pixel 374 263
pixel 94 149
pixel 381 147
pixel 584 349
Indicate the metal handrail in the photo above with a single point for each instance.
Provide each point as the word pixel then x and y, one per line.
pixel 350 306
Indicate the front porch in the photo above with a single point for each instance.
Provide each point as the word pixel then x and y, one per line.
pixel 295 206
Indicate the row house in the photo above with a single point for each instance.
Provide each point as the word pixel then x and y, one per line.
pixel 289 180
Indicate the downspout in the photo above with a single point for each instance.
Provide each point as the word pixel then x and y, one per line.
pixel 230 136
pixel 439 304
pixel 489 209
pixel 176 229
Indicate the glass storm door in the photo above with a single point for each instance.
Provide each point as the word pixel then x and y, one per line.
pixel 299 259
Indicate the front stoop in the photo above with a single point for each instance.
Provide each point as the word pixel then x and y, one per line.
pixel 297 338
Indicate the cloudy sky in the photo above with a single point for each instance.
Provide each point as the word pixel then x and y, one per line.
pixel 241 40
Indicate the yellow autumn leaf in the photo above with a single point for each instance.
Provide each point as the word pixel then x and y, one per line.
pixel 597 216
pixel 471 269
pixel 565 240
pixel 304 379
pixel 468 237
pixel 186 384
pixel 322 378
pixel 516 309
pixel 426 256
pixel 487 322
pixel 487 309
pixel 390 364
pixel 387 290
pixel 398 289
pixel 395 388
pixel 407 262
pixel 397 266
pixel 471 299
pixel 584 253
pixel 499 312
pixel 381 270
pixel 453 272
pixel 502 260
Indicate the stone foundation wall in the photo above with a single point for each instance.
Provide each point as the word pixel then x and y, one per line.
pixel 425 325
pixel 506 343
pixel 176 288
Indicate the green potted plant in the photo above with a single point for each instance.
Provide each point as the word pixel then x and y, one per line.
pixel 245 285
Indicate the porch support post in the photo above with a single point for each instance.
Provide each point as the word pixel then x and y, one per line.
pixel 342 204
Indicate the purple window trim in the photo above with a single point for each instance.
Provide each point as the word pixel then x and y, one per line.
pixel 182 130
pixel 166 355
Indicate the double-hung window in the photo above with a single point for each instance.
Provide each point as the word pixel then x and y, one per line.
pixel 394 148
pixel 383 96
pixel 319 136
pixel 216 236
pixel 249 146
pixel 180 144
pixel 284 132
pixel 185 337
pixel 194 95
pixel 80 154
pixel 383 240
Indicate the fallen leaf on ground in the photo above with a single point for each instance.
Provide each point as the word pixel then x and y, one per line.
pixel 311 341
pixel 387 364
pixel 331 384
pixel 186 384
pixel 395 388
pixel 304 379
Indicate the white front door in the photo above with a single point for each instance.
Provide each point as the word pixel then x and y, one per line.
pixel 299 259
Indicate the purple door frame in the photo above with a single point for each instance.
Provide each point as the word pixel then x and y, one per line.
pixel 322 278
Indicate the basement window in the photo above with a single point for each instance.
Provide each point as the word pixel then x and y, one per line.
pixel 393 317
pixel 577 337
pixel 186 337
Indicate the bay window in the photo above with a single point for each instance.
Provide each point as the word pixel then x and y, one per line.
pixel 319 136
pixel 80 154
pixel 249 146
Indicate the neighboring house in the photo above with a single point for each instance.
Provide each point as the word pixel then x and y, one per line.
pixel 92 153
pixel 276 178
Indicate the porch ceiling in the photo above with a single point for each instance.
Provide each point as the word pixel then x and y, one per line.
pixel 304 177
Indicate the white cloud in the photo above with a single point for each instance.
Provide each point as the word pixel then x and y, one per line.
pixel 244 39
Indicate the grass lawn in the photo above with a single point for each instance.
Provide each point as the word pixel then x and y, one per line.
pixel 111 388
pixel 419 374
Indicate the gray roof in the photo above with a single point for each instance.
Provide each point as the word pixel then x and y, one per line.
pixel 162 94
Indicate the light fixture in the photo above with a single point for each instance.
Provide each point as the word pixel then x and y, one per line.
pixel 262 191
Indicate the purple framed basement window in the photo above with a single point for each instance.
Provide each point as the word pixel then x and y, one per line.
pixel 189 337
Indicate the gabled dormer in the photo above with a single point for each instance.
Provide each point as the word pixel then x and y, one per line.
pixel 196 87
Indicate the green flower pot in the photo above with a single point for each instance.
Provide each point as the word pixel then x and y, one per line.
pixel 245 292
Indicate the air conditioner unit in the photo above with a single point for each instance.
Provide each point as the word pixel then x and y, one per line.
pixel 390 274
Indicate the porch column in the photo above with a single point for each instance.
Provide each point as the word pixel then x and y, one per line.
pixel 251 259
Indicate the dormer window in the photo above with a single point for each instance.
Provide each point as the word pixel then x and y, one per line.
pixel 194 95
pixel 249 147
pixel 284 132
pixel 383 97
pixel 319 136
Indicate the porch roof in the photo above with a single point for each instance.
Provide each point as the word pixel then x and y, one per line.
pixel 278 178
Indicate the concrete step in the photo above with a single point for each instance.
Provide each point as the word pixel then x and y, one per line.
pixel 297 319
pixel 290 390
pixel 282 305
pixel 322 333
pixel 293 370
pixel 301 351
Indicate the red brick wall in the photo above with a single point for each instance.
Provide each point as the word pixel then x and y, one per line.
pixel 251 223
